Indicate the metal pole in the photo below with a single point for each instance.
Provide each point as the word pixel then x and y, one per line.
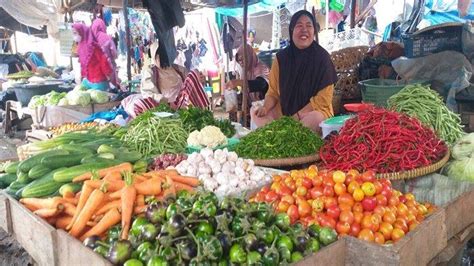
pixel 128 41
pixel 327 15
pixel 244 72
pixel 353 12
pixel 16 44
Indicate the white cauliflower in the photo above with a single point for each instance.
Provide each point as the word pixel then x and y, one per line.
pixel 194 139
pixel 209 136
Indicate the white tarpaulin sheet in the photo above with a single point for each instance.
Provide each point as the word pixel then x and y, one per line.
pixel 35 13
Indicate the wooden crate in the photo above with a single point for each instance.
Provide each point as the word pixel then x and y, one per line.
pixel 459 214
pixel 71 251
pixel 418 247
pixel 5 218
pixel 34 234
pixel 334 255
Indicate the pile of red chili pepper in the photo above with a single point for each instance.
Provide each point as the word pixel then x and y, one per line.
pixel 383 141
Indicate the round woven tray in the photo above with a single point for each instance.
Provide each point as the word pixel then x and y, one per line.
pixel 288 161
pixel 416 172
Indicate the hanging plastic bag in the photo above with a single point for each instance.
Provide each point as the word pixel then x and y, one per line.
pixel 230 99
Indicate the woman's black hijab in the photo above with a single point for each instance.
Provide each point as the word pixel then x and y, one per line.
pixel 303 72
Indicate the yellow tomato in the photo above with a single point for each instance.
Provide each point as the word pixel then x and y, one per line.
pixel 338 177
pixel 358 194
pixel 368 188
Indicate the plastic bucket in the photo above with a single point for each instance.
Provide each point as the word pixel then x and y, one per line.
pixel 333 124
pixel 24 93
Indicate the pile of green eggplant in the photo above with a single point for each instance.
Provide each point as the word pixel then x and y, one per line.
pixel 50 171
pixel 197 229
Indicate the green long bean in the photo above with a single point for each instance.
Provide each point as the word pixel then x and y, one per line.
pixel 427 106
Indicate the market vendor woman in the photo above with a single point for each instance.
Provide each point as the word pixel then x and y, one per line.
pixel 301 79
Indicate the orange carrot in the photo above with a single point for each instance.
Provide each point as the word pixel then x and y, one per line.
pixel 169 189
pixel 139 209
pixel 180 186
pixel 85 193
pixel 191 181
pixel 86 213
pixel 108 206
pixel 62 222
pixel 140 200
pixel 49 212
pixel 149 187
pixel 124 167
pixel 113 176
pixel 115 195
pixel 167 172
pixel 139 179
pixel 111 218
pixel 69 209
pixel 111 186
pixel 129 194
pixel 72 200
pixel 37 203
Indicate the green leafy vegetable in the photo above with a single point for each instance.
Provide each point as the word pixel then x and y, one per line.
pixel 282 138
pixel 196 119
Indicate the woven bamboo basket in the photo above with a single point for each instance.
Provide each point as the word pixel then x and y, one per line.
pixel 282 162
pixel 416 172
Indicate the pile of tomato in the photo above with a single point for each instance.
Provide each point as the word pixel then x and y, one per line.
pixel 353 203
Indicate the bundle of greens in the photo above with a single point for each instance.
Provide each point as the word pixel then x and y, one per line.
pixel 462 165
pixel 427 106
pixel 196 119
pixel 282 138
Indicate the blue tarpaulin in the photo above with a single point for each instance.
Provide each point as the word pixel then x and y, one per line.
pixel 443 11
pixel 262 6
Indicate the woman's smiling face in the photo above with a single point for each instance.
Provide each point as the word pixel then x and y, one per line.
pixel 303 33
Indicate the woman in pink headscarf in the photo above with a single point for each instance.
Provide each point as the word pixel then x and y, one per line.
pixel 257 74
pixel 95 70
pixel 106 43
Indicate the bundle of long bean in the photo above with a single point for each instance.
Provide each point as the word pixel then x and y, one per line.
pixel 151 135
pixel 426 105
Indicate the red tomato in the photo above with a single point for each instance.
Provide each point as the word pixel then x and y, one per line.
pixel 328 190
pixel 327 180
pixel 343 228
pixel 260 196
pixel 271 196
pixel 284 190
pixel 387 192
pixel 333 211
pixel 301 191
pixel 282 206
pixel 349 179
pixel 329 201
pixel 293 213
pixel 345 207
pixel 346 198
pixel 340 188
pixel 307 183
pixel 327 221
pixel 358 207
pixel 368 176
pixel 358 216
pixel 289 199
pixel 378 187
pixel 386 230
pixel 355 229
pixel 317 181
pixel 265 189
pixel 304 209
pixel 381 200
pixel 379 238
pixel 401 224
pixel 369 203
pixel 353 185
pixel 380 210
pixel 367 235
pixel 291 185
pixel 316 192
pixel 317 205
pixel 402 209
pixel 346 217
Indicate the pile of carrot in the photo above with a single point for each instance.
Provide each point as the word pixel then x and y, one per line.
pixel 108 197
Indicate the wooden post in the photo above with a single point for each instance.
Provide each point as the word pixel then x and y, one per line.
pixel 244 72
pixel 353 12
pixel 128 42
pixel 16 44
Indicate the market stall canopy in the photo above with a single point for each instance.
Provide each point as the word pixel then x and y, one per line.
pixel 36 13
pixel 10 23
pixel 260 6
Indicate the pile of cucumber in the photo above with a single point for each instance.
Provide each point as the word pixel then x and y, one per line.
pixel 51 172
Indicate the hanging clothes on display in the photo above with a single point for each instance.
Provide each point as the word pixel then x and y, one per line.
pixel 165 15
pixel 231 36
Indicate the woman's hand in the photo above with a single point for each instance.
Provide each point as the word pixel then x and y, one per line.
pixel 262 111
pixel 233 84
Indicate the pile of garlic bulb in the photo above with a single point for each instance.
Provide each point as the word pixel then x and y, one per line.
pixel 223 172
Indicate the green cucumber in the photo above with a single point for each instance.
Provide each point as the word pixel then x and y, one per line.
pixel 131 156
pixel 29 163
pixel 58 161
pixel 13 188
pixel 95 144
pixel 22 177
pixel 70 187
pixel 11 167
pixel 6 180
pixel 68 174
pixel 38 171
pixel 104 148
pixel 108 156
pixel 140 166
pixel 42 187
pixel 74 148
